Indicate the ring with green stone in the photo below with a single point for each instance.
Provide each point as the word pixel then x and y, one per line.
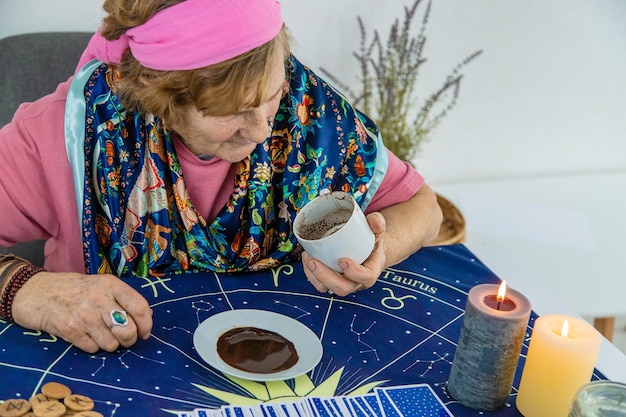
pixel 118 318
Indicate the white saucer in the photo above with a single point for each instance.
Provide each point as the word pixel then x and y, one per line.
pixel 307 344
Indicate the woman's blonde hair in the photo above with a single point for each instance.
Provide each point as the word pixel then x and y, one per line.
pixel 217 90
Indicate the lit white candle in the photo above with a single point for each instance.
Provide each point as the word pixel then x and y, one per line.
pixel 561 358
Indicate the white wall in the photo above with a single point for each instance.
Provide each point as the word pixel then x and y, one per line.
pixel 546 96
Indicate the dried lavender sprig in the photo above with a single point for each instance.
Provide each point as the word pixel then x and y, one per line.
pixel 389 74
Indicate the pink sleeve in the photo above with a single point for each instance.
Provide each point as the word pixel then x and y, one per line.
pixel 37 199
pixel 26 203
pixel 401 181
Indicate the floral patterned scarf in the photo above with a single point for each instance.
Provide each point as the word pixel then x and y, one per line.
pixel 137 215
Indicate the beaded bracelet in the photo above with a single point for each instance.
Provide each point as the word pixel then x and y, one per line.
pixel 17 281
pixel 9 263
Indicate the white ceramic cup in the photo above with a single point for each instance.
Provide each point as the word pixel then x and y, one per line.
pixel 333 226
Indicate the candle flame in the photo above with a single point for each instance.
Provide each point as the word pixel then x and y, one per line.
pixel 502 291
pixel 565 329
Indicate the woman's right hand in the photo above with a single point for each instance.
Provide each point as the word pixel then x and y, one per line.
pixel 77 308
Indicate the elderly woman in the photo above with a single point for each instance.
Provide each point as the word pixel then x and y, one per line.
pixel 187 140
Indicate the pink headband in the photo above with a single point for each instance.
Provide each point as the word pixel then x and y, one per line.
pixel 193 34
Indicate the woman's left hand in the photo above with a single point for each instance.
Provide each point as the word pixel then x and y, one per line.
pixel 355 277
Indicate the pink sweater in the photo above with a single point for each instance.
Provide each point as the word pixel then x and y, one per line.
pixel 37 198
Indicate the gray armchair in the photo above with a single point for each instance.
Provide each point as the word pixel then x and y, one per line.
pixel 31 66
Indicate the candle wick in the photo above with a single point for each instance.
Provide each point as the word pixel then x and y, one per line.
pixel 499 304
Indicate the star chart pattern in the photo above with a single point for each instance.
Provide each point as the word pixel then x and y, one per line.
pixel 402 331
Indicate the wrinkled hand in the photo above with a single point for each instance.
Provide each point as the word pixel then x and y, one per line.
pixel 354 277
pixel 77 308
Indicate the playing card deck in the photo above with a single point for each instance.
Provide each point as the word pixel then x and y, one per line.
pixel 400 401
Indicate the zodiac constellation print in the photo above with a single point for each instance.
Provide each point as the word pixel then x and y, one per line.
pixel 199 306
pixel 369 349
pixel 430 363
pixel 102 358
pixel 110 404
pixel 120 358
pixel 177 328
pixel 303 311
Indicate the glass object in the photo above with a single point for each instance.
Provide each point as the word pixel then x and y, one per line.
pixel 600 399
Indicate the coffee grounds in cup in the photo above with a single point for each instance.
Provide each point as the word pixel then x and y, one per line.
pixel 325 226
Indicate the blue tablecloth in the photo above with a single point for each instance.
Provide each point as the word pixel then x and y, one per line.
pixel 402 331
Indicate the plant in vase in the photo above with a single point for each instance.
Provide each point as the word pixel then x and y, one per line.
pixel 387 92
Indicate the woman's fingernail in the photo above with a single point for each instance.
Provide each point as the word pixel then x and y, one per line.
pixel 312 266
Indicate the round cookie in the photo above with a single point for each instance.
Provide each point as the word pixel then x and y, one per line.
pixel 77 402
pixel 49 409
pixel 14 408
pixel 37 398
pixel 88 414
pixel 55 390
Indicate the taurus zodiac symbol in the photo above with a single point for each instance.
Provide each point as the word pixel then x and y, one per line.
pixel 395 303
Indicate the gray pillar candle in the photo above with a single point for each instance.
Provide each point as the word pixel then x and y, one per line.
pixel 489 346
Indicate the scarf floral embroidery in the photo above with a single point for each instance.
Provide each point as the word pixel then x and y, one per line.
pixel 137 215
